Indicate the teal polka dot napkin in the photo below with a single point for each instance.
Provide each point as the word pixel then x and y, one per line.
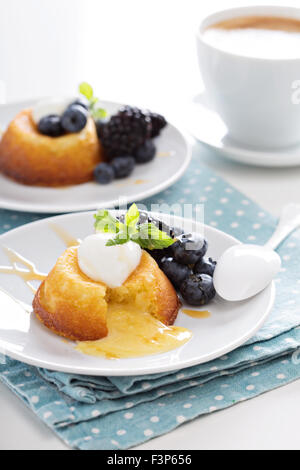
pixel 121 412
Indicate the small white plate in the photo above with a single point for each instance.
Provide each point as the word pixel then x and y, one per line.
pixel 24 338
pixel 172 159
pixel 205 124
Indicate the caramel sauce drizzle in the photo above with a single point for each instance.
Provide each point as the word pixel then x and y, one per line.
pixel 165 153
pixel 131 333
pixel 140 181
pixel 196 313
pixel 128 182
pixel 30 273
pixel 65 236
pixel 134 333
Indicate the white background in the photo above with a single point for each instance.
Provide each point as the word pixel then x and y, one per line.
pixel 142 52
pixel 130 50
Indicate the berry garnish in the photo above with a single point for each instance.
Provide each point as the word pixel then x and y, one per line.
pixel 205 266
pixel 94 107
pixel 189 249
pixel 146 218
pixel 147 235
pixel 174 271
pixel 159 255
pixel 104 173
pixel 123 166
pixel 100 125
pixel 74 118
pixel 158 123
pixel 51 126
pixel 81 102
pixel 198 289
pixel 146 153
pixel 125 132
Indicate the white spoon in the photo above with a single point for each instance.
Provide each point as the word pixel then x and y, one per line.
pixel 244 270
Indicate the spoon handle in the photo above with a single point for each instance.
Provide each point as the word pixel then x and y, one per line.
pixel 288 222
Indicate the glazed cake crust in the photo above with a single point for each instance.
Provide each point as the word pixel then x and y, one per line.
pixel 35 159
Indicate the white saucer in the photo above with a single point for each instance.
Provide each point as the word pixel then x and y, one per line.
pixel 207 126
pixel 24 338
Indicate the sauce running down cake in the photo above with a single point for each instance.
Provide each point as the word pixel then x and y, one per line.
pixel 109 294
pixel 76 307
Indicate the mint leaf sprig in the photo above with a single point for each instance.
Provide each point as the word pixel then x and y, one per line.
pixel 147 235
pixel 87 91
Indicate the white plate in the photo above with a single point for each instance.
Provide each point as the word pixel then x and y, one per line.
pixel 173 157
pixel 205 124
pixel 24 338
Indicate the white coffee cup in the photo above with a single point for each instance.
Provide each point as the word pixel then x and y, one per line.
pixel 253 96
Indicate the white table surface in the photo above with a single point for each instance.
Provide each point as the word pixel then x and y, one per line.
pixel 270 421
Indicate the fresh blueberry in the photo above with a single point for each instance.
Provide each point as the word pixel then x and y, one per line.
pixel 51 126
pixel 81 102
pixel 74 118
pixel 188 249
pixel 145 153
pixel 174 271
pixel 205 266
pixel 104 173
pixel 158 254
pixel 123 166
pixel 198 289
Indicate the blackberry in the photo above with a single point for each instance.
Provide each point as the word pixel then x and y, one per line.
pixel 145 217
pixel 159 255
pixel 100 125
pixel 171 231
pixel 158 123
pixel 126 131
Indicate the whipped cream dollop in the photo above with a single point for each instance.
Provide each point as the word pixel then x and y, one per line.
pixel 111 265
pixel 53 105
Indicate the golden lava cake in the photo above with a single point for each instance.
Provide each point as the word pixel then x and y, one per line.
pixel 35 159
pixel 74 306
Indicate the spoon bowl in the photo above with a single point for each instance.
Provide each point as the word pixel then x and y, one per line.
pixel 244 270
